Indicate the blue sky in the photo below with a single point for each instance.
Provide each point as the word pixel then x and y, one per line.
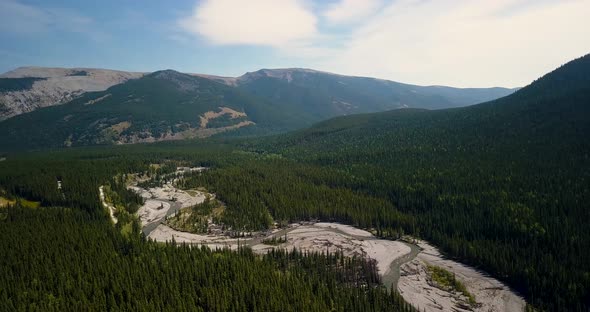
pixel 468 43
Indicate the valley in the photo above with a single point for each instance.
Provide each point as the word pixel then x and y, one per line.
pixel 64 107
pixel 476 208
pixel 400 263
pixel 295 156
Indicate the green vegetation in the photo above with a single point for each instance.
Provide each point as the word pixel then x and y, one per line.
pixel 126 204
pixel 489 184
pixel 56 259
pixel 288 190
pixel 96 266
pixel 124 200
pixel 274 241
pixel 11 201
pixel 159 104
pixel 196 219
pixel 17 84
pixel 167 103
pixel 316 96
pixel 447 281
pixel 6 201
pixel 27 203
pixel 502 186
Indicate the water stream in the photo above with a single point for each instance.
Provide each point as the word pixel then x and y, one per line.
pixel 174 207
pixel 391 277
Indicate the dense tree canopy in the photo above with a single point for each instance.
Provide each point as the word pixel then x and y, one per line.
pixel 56 259
pixel 502 185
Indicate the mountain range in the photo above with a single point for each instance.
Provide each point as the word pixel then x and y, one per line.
pixel 502 184
pixel 54 107
pixel 551 112
pixel 28 88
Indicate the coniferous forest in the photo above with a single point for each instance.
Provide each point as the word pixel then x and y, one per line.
pixel 58 259
pixel 503 186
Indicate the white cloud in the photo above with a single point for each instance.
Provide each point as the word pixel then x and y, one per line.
pixel 256 22
pixel 347 11
pixel 467 43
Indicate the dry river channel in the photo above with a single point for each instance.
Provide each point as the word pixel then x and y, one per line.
pixel 401 265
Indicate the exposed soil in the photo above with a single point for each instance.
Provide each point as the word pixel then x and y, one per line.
pixel 222 111
pixel 416 287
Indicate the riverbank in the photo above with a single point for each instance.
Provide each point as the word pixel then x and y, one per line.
pixel 401 264
pixel 417 288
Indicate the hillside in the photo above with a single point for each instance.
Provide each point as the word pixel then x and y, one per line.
pixel 164 105
pixel 320 95
pixel 168 105
pixel 502 185
pixel 26 89
pixel 310 95
pixel 551 112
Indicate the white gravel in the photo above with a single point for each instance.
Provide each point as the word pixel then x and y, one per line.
pixel 152 210
pixel 490 294
pixel 111 208
pixel 311 238
pixel 351 230
pixel 170 193
pixel 164 233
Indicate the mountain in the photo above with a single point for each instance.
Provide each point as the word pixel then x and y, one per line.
pixel 164 105
pixel 322 95
pixel 26 89
pixel 503 185
pixel 552 111
pixel 169 105
pixel 309 94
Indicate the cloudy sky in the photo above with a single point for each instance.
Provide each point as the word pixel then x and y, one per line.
pixel 464 43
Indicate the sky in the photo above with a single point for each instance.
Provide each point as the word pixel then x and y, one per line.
pixel 461 43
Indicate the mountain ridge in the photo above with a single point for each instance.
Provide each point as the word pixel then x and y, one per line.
pixel 502 185
pixel 60 85
pixel 161 106
pixel 52 86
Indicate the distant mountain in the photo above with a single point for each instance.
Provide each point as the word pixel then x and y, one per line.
pixel 321 95
pixel 311 95
pixel 26 89
pixel 164 105
pixel 112 107
pixel 503 185
pixel 550 112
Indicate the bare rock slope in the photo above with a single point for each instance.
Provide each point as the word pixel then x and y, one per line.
pixel 309 94
pixel 52 86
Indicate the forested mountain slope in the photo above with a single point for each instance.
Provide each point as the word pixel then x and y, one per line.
pixel 503 185
pixel 551 113
pixel 320 95
pixel 164 105
pixel 306 95
pixel 168 105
